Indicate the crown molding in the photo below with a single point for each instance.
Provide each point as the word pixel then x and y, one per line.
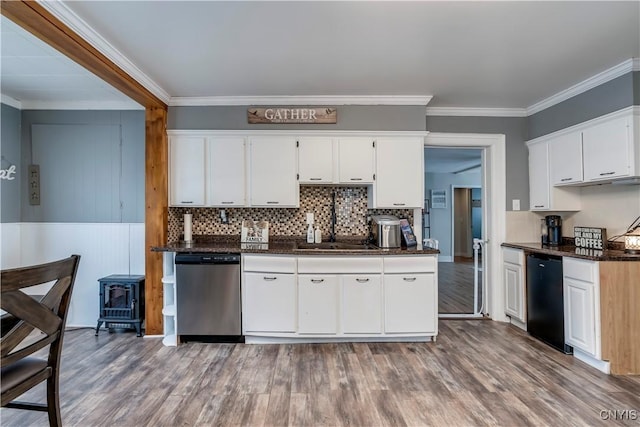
pixel 299 100
pixel 81 105
pixel 476 112
pixel 62 12
pixel 5 99
pixel 631 64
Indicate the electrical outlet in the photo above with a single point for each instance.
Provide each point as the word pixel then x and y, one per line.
pixel 515 204
pixel 34 185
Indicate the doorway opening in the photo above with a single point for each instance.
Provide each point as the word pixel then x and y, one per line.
pixel 452 177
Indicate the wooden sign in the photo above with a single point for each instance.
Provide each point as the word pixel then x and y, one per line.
pixel 589 237
pixel 322 115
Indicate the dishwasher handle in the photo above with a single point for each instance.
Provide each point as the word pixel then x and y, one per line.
pixel 207 258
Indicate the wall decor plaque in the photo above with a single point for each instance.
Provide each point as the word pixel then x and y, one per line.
pixel 319 115
pixel 254 231
pixel 590 237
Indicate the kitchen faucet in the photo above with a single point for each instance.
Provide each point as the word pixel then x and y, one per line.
pixel 332 233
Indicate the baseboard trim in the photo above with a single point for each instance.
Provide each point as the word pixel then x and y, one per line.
pixel 601 365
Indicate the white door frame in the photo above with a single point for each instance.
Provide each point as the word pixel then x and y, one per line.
pixel 494 209
pixel 453 215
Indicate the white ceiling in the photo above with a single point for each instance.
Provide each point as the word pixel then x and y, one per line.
pixel 466 54
pixel 38 76
pixel 452 160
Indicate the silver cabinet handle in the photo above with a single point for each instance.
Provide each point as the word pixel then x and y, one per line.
pixel 399 204
pixel 186 202
pixel 315 179
pixel 355 179
pixel 566 179
pixel 409 279
pixel 269 278
pixel 607 173
pixel 317 280
pixel 539 206
pixel 227 203
pixel 359 280
pixel 272 203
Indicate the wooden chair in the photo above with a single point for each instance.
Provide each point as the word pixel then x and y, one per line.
pixel 30 325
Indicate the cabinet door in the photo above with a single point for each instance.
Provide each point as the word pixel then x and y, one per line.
pixel 226 172
pixel 317 304
pixel 538 177
pixel 273 172
pixel 410 303
pixel 361 304
pixel 315 160
pixel 355 159
pixel 269 302
pixel 607 150
pixel 565 159
pixel 187 171
pixel 514 291
pixel 399 173
pixel 579 315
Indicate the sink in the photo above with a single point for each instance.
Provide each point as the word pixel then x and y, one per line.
pixel 333 246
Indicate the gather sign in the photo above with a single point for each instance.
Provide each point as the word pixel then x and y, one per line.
pixel 322 115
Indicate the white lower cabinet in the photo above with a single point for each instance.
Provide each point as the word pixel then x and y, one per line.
pixel 339 297
pixel 269 302
pixel 317 304
pixel 361 302
pixel 582 305
pixel 408 303
pixel 514 285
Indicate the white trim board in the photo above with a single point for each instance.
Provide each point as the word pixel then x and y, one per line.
pixel 495 207
pixel 476 112
pixel 5 99
pixel 178 101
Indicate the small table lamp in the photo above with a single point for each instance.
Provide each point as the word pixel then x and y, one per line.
pixel 632 242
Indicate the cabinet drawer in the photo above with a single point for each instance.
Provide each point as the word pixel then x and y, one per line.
pixel 587 271
pixel 513 256
pixel 340 264
pixel 273 264
pixel 410 264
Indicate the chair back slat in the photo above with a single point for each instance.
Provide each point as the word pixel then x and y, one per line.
pixel 31 311
pixel 47 315
pixel 29 350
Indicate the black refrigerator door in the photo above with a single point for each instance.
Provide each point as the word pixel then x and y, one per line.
pixel 545 304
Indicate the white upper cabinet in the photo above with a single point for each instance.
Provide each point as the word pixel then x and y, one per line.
pixel 226 172
pixel 355 160
pixel 315 160
pixel 538 176
pixel 399 173
pixel 542 195
pixel 565 159
pixel 273 172
pixel 608 150
pixel 186 171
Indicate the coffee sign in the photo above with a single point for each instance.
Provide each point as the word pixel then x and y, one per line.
pixel 589 237
pixel 292 115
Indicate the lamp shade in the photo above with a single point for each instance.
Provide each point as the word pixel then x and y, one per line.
pixel 632 243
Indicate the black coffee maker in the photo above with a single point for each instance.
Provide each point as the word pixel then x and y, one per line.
pixel 552 230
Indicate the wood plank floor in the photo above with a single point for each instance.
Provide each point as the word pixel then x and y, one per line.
pixel 477 373
pixel 455 287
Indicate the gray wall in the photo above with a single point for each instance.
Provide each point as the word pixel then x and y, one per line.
pixel 611 96
pixel 10 149
pixel 514 128
pixel 350 117
pixel 127 161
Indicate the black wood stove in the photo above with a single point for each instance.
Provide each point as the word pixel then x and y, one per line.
pixel 121 302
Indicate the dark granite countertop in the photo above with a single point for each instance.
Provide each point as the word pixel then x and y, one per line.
pixel 613 253
pixel 281 245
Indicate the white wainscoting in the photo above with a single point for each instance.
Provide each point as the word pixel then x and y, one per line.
pixel 105 248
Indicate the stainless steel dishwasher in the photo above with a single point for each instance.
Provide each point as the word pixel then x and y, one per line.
pixel 208 296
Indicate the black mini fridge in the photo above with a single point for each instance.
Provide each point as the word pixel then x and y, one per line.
pixel 545 302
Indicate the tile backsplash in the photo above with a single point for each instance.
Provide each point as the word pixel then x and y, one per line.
pixel 351 214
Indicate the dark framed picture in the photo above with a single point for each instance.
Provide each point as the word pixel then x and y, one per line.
pixel 408 238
